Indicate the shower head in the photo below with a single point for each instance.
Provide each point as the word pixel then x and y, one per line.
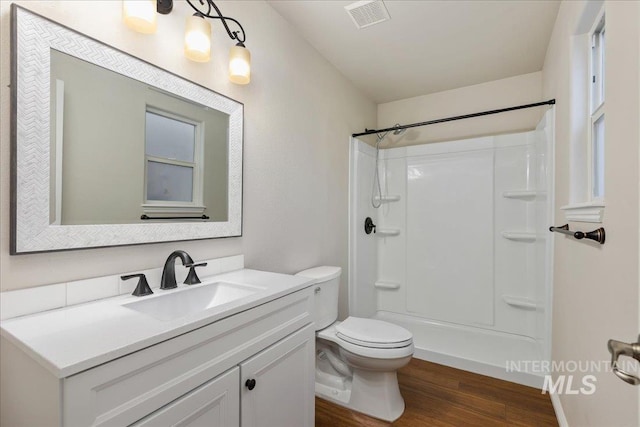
pixel 399 131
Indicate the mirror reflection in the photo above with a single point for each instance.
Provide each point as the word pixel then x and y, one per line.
pixel 122 149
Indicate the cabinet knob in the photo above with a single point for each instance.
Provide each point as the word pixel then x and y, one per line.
pixel 250 384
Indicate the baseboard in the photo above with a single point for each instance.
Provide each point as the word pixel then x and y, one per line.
pixel 557 407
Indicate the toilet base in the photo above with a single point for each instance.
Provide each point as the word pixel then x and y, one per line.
pixel 333 395
pixel 372 393
pixel 376 394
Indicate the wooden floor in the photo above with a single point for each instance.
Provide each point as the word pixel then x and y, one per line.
pixel 437 395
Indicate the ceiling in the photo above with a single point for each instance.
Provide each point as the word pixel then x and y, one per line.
pixel 427 46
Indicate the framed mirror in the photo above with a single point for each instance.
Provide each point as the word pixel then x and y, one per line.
pixel 110 150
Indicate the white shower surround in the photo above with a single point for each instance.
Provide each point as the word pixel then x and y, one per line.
pixel 471 279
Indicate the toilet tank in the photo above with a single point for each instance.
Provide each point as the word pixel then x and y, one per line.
pixel 326 286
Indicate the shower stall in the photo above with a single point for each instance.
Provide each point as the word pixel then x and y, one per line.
pixel 461 254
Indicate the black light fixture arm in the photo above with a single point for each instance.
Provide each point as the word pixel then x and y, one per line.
pixel 240 36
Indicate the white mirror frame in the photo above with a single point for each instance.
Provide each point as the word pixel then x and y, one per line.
pixel 32 38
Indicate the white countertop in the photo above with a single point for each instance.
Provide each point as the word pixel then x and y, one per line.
pixel 72 339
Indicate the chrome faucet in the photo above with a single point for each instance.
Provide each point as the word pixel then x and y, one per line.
pixel 168 280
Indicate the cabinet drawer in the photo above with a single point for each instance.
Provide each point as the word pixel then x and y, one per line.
pixel 125 390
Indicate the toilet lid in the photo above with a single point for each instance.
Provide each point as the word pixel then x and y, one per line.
pixel 321 274
pixel 373 333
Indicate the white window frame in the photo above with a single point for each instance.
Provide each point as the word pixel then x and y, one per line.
pixel 587 107
pixel 596 97
pixel 196 206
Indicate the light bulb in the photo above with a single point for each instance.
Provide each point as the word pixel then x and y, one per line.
pixel 140 15
pixel 197 39
pixel 239 65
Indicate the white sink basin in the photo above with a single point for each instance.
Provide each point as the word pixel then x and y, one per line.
pixel 189 301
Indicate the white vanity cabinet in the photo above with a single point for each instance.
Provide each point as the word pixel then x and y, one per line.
pixel 194 379
pixel 275 391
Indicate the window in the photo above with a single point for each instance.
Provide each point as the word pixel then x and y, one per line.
pixel 173 163
pixel 597 116
pixel 587 116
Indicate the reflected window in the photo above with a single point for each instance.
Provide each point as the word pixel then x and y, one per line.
pixel 171 183
pixel 173 160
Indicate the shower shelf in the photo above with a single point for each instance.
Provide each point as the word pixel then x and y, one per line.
pixel 519 302
pixel 522 194
pixel 520 236
pixel 386 232
pixel 387 199
pixel 386 285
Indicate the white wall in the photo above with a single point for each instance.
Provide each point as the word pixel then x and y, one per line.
pixel 518 90
pixel 596 287
pixel 299 114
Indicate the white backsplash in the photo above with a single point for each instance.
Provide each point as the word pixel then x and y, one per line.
pixel 33 300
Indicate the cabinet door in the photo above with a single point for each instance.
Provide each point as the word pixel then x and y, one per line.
pixel 284 375
pixel 214 404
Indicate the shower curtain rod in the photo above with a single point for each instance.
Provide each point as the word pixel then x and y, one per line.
pixel 450 119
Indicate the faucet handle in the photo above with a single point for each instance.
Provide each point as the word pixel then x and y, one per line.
pixel 143 286
pixel 192 277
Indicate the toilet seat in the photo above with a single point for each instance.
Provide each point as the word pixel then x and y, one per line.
pixel 330 333
pixel 373 333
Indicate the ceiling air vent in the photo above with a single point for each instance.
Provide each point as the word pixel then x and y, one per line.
pixel 368 12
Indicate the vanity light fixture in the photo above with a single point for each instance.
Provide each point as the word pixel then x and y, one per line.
pixel 197 38
pixel 140 15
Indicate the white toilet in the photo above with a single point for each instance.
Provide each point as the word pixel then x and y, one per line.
pixel 356 359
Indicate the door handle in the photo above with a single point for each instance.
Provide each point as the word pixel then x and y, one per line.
pixel 619 348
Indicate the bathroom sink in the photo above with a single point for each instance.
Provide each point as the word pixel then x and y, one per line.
pixel 189 301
